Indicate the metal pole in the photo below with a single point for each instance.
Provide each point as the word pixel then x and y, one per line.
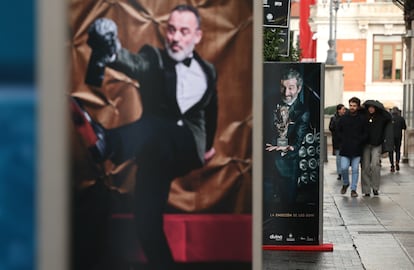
pixel 336 7
pixel 331 58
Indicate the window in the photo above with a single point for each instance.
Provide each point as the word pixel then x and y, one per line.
pixel 387 58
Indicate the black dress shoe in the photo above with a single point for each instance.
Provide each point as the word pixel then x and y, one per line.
pixel 92 133
pixel 344 188
pixel 375 192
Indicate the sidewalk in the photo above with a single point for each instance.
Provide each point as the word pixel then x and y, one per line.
pixel 372 233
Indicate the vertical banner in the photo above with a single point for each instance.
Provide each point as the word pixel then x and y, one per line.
pixel 276 13
pixel 284 37
pixel 161 159
pixel 307 42
pixel 292 126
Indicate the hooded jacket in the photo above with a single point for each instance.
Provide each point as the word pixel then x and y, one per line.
pixel 380 130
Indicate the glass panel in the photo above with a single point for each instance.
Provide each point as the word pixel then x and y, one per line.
pixel 387 52
pixel 398 59
pixel 376 66
pixel 398 74
pixel 387 69
pixel 398 65
pixel 389 39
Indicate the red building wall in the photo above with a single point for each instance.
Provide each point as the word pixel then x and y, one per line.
pixel 354 71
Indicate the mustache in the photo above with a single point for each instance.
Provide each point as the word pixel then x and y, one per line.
pixel 174 43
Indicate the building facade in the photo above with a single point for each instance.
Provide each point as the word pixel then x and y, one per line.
pixel 375 53
pixel 369 46
pixel 407 6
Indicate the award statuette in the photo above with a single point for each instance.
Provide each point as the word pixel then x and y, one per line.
pixel 281 122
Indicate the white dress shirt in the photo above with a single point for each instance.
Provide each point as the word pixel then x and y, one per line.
pixel 191 84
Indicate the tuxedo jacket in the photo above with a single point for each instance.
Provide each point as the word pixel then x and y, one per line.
pixel 155 72
pixel 299 126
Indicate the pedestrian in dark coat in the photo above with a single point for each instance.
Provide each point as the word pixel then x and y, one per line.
pixel 379 141
pixel 398 123
pixel 352 130
pixel 336 142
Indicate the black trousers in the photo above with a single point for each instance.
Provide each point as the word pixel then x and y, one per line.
pixel 397 150
pixel 285 181
pixel 163 151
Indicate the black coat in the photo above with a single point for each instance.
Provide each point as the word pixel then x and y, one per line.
pixel 399 125
pixel 388 142
pixel 298 127
pixel 377 123
pixel 353 133
pixel 336 140
pixel 380 130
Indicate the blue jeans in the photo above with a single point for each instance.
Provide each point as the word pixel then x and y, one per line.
pixel 338 162
pixel 354 163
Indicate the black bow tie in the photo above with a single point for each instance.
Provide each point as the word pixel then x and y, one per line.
pixel 187 61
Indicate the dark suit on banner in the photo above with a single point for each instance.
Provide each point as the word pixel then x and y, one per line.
pixel 165 142
pixel 155 72
pixel 286 163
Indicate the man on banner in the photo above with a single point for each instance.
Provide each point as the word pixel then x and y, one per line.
pixel 292 124
pixel 176 131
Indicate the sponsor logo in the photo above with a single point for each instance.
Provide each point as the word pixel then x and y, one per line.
pixel 290 238
pixel 276 237
pixel 310 239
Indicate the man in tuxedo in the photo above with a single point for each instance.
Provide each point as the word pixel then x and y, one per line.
pixel 176 131
pixel 291 123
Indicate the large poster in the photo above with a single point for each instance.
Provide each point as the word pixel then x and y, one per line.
pixel 161 119
pixel 291 153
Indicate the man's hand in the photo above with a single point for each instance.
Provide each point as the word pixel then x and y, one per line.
pixel 103 40
pixel 209 154
pixel 269 147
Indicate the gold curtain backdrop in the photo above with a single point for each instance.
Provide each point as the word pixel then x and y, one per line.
pixel 224 184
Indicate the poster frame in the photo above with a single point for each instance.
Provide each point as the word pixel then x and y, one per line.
pixel 286 8
pixel 53 198
pixel 277 66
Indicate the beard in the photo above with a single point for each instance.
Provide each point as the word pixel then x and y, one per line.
pixel 289 101
pixel 180 55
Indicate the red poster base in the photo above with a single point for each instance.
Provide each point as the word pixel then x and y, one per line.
pixel 192 237
pixel 322 247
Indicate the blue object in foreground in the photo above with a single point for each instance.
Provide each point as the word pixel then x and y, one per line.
pixel 17 177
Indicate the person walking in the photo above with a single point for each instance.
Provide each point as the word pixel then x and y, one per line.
pixel 379 141
pixel 399 124
pixel 352 131
pixel 340 111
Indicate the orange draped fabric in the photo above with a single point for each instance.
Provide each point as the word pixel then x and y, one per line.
pixel 224 184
